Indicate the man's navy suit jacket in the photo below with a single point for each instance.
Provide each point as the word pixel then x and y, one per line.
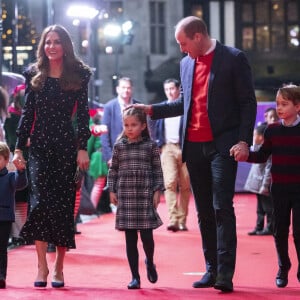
pixel 159 131
pixel 231 102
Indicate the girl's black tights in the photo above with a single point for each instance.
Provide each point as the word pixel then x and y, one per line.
pixel 131 236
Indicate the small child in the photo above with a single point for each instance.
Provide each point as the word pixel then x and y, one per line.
pixel 9 183
pixel 270 115
pixel 135 180
pixel 282 141
pixel 258 182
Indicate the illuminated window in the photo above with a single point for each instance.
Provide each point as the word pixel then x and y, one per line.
pixel 269 25
pixel 157 27
pixel 247 38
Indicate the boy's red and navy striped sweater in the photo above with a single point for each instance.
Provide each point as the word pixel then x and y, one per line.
pixel 283 143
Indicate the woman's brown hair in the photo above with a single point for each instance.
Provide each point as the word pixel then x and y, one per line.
pixel 72 65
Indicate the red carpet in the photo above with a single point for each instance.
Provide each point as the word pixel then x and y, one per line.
pixel 98 268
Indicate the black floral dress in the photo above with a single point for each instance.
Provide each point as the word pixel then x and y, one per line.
pixel 135 174
pixel 47 120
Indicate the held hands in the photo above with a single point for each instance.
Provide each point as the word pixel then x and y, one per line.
pixel 240 151
pixel 18 160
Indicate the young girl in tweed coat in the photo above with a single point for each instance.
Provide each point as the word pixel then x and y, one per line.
pixel 135 180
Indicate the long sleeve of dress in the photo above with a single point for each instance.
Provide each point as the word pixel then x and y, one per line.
pixel 83 113
pixel 26 121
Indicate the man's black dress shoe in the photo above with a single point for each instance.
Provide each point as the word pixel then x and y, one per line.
pixel 282 278
pixel 2 283
pixel 253 232
pixel 224 286
pixel 40 283
pixel 151 272
pixel 264 232
pixel 134 284
pixel 208 280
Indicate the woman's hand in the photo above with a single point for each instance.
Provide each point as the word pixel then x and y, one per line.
pixel 83 160
pixel 18 160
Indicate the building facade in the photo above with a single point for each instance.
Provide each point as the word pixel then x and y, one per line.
pixel 267 30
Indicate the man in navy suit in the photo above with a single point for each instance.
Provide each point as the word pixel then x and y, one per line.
pixel 219 108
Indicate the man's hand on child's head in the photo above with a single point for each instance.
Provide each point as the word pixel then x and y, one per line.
pixel 146 108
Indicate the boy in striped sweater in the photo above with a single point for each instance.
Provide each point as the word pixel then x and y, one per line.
pixel 282 140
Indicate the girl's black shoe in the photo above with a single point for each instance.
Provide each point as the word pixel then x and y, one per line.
pixel 151 272
pixel 134 284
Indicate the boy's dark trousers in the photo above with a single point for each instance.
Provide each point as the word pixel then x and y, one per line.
pixel 286 207
pixel 5 228
pixel 264 208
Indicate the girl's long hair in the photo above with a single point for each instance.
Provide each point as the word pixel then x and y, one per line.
pixel 141 116
pixel 70 78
